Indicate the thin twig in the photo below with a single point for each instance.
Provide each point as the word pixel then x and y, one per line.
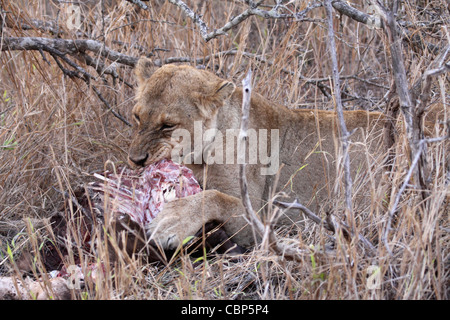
pixel 102 69
pixel 377 20
pixel 109 108
pixel 330 223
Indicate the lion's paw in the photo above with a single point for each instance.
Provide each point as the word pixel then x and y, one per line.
pixel 170 232
pixel 164 234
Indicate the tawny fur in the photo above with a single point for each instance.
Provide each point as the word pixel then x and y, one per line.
pixel 308 149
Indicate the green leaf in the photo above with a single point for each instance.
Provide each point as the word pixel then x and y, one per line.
pixel 313 261
pixel 9 144
pixel 295 173
pixel 187 239
pixel 9 251
pixel 198 259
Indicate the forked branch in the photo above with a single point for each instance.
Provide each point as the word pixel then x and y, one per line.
pixel 252 10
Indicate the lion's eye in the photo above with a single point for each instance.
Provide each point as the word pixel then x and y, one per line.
pixel 167 127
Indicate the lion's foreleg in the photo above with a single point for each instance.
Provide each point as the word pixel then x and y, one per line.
pixel 184 217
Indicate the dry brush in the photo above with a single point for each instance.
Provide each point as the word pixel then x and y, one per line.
pixel 65 99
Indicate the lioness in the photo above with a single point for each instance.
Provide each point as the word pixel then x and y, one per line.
pixel 302 144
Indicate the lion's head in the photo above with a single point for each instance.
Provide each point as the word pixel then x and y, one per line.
pixel 170 98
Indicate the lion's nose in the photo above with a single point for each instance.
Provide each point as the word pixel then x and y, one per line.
pixel 139 161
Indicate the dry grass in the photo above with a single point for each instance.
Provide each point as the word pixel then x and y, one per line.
pixel 54 131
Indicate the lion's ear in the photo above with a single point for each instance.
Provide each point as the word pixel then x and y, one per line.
pixel 224 90
pixel 144 69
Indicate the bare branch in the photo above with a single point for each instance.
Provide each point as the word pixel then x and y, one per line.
pixel 252 10
pixel 66 47
pixel 32 24
pixel 197 19
pixel 243 143
pixel 412 110
pixel 139 3
pixel 44 26
pixel 337 96
pixel 378 18
pixel 272 14
pixel 405 183
pixel 355 14
pixel 439 66
pixel 311 215
pixel 413 118
pixel 330 223
pixel 109 108
pixel 255 222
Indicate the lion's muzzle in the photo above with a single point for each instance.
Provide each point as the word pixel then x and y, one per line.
pixel 137 161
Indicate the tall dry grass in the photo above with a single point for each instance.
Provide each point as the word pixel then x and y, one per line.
pixel 54 131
